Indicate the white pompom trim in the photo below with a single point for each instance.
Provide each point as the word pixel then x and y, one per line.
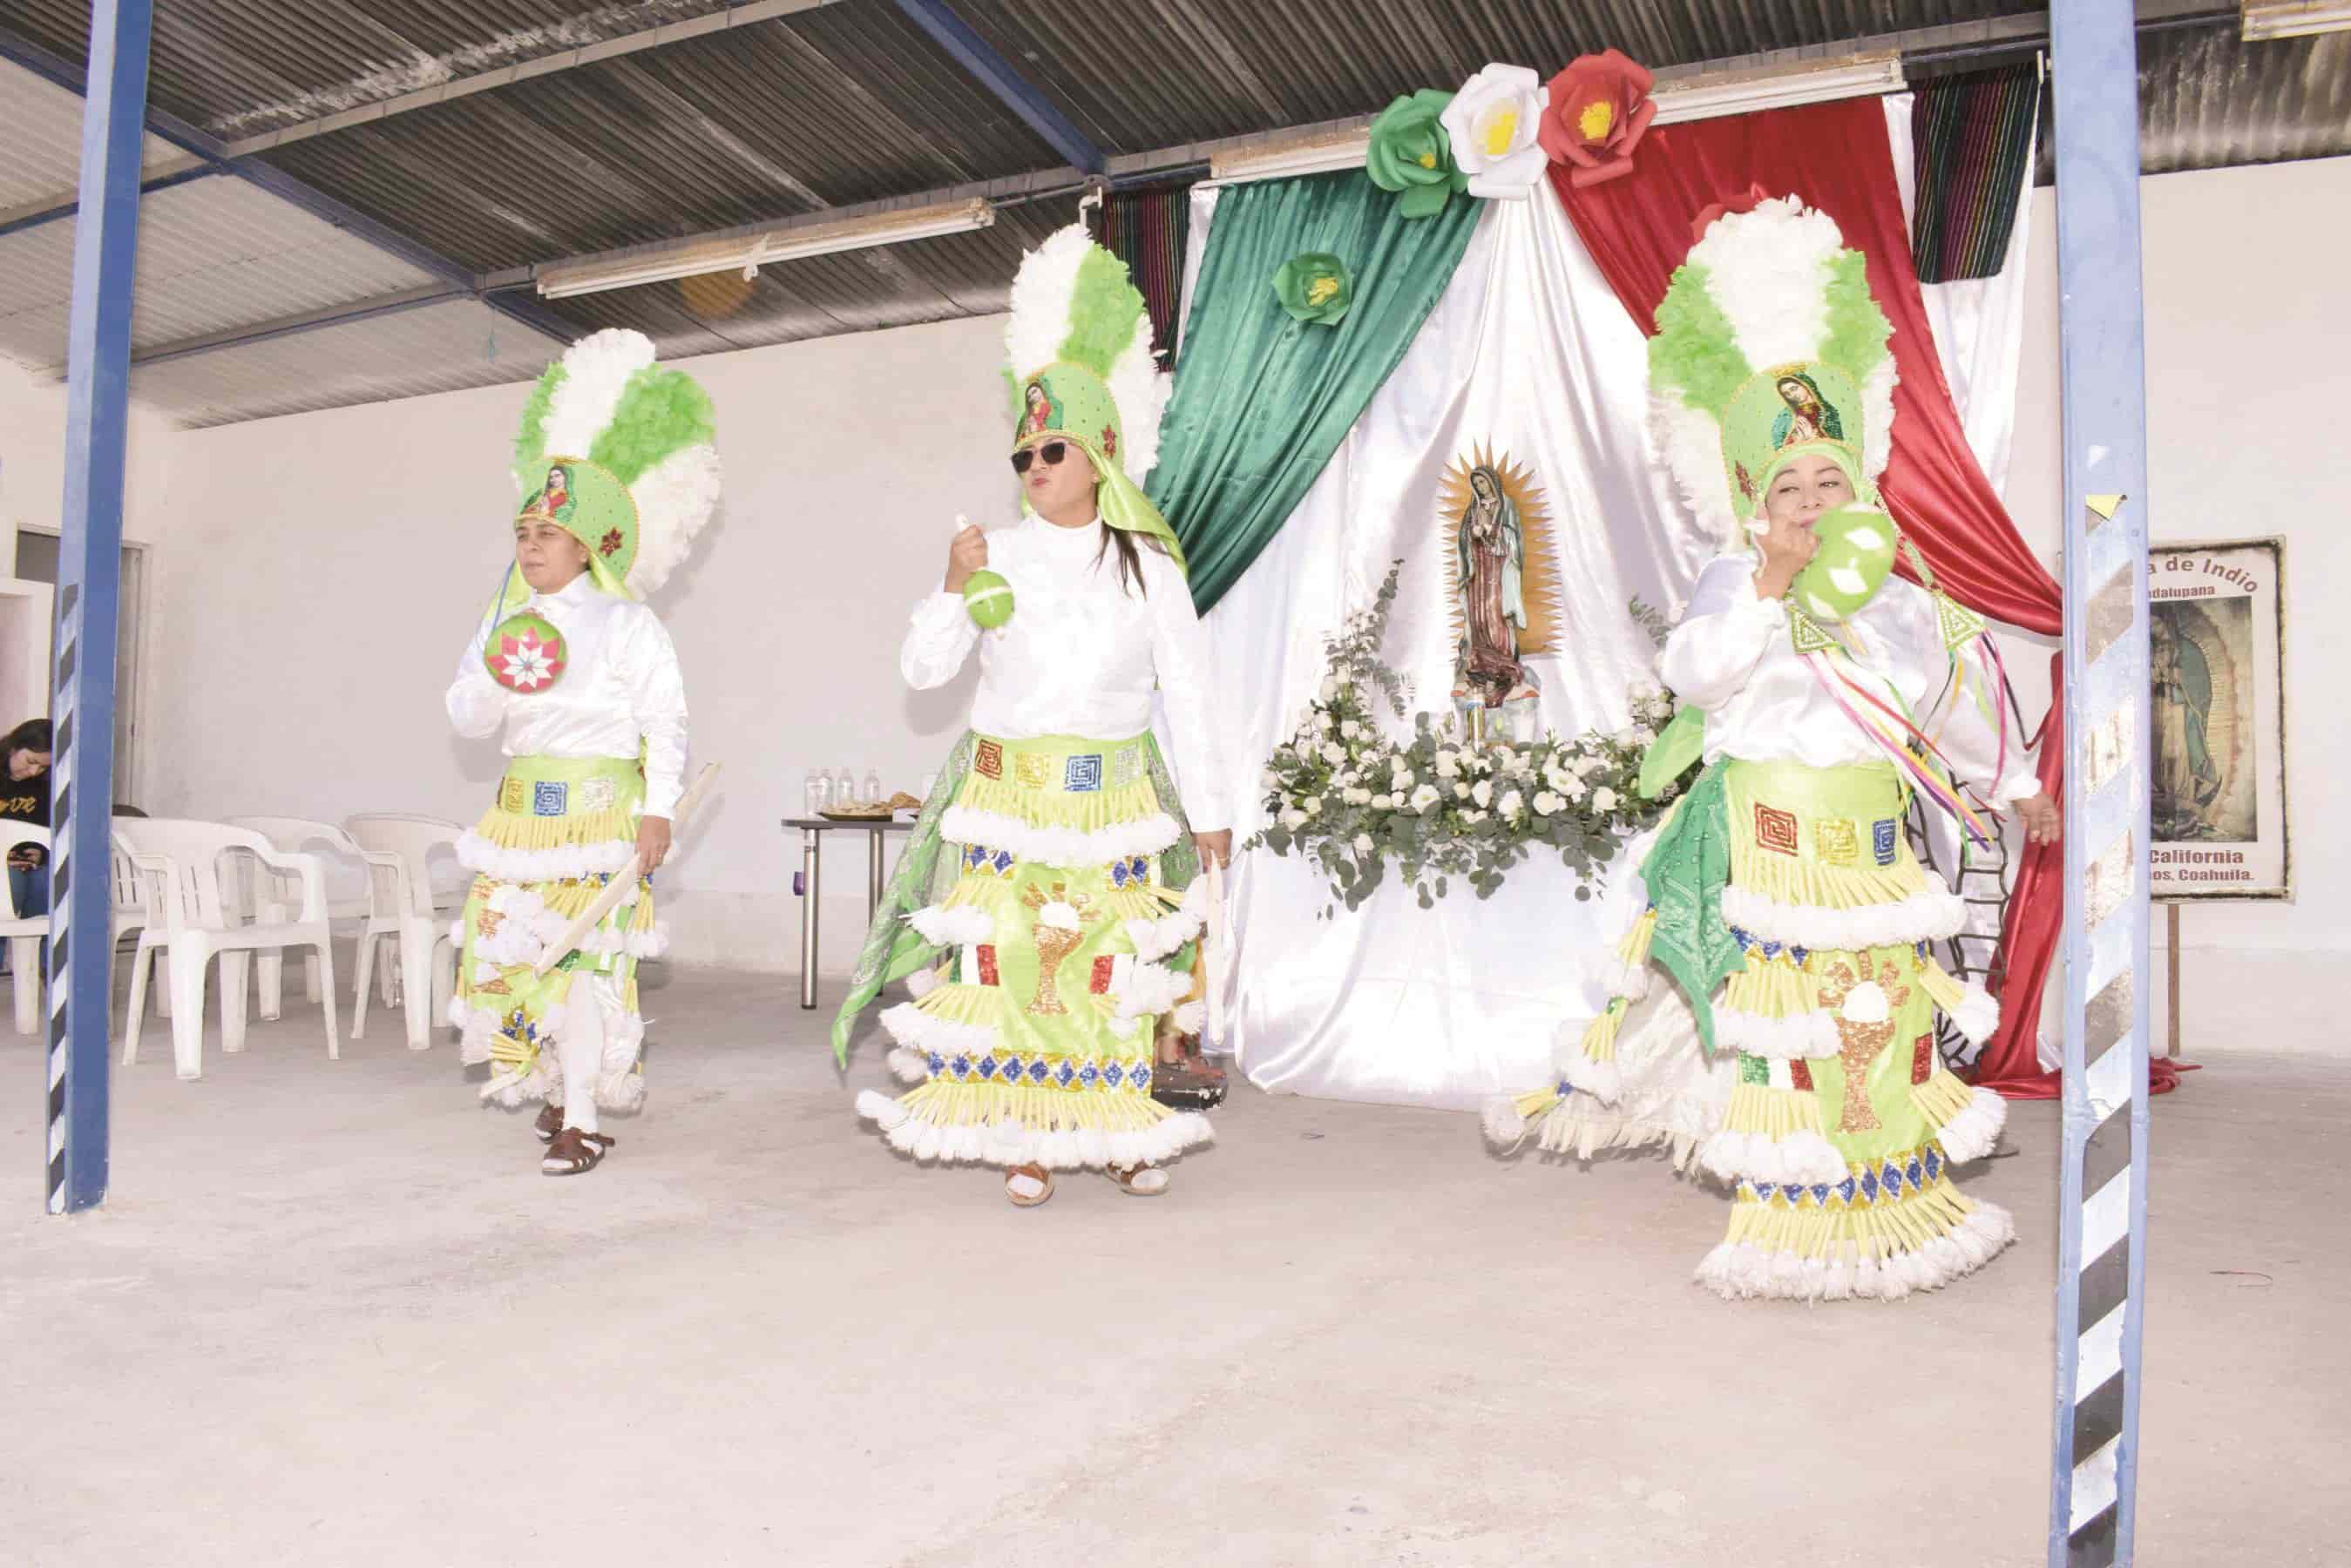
pixel 1802 1036
pixel 1008 1143
pixel 1744 1272
pixel 1974 1132
pixel 567 862
pixel 959 926
pixel 1157 939
pixel 1058 846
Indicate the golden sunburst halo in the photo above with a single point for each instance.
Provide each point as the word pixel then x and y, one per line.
pixel 1540 578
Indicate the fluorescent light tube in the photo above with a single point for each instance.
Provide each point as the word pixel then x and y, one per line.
pixel 2266 19
pixel 749 254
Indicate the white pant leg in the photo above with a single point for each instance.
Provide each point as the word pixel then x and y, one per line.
pixel 582 1051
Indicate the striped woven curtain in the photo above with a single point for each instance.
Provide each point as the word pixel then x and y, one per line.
pixel 1969 137
pixel 1144 228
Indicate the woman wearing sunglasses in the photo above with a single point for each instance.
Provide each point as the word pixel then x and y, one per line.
pixel 1045 911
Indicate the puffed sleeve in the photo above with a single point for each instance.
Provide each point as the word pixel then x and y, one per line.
pixel 476 704
pixel 939 636
pixel 1179 656
pixel 648 667
pixel 1723 636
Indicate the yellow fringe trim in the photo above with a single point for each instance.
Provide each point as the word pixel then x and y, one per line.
pixel 945 1103
pixel 1771 988
pixel 1634 950
pixel 1946 992
pixel 1775 1112
pixel 512 830
pixel 1535 1102
pixel 1877 1230
pixel 1793 880
pixel 1040 807
pixel 1599 1042
pixel 1942 1098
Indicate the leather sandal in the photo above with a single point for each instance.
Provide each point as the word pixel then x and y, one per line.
pixel 1036 1173
pixel 575 1153
pixel 1138 1181
pixel 550 1122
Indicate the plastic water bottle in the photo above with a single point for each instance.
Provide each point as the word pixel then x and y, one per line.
pixel 872 789
pixel 819 791
pixel 844 791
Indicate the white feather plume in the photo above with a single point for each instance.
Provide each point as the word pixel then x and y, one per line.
pixel 1140 393
pixel 1041 291
pixel 596 371
pixel 1768 271
pixel 676 499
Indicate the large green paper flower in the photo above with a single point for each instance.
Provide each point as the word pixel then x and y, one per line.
pixel 1314 286
pixel 1411 154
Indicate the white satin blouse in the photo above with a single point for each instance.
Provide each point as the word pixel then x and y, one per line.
pixel 1082 654
pixel 621 685
pixel 1731 657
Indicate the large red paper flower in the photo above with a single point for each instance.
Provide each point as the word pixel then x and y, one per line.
pixel 1600 108
pixel 1754 197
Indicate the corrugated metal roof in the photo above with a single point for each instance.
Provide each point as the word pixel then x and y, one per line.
pixel 2207 99
pixel 214 254
pixel 746 125
pixel 44 140
pixel 1196 71
pixel 435 349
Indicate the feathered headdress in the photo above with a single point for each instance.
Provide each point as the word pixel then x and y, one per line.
pixel 618 451
pixel 1078 362
pixel 1769 347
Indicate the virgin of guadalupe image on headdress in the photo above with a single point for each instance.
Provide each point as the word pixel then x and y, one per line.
pixel 1504 597
pixel 553 502
pixel 1808 416
pixel 1038 410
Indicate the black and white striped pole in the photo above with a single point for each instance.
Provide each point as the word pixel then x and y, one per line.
pixel 2102 1254
pixel 90 575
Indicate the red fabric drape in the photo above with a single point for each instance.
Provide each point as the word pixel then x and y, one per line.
pixel 1836 156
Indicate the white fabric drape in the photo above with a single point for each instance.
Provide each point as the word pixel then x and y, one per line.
pixel 1530 354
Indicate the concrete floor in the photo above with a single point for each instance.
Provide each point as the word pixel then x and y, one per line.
pixel 332 1315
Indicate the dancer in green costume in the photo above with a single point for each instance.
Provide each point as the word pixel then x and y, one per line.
pixel 1781 893
pixel 615 462
pixel 1046 911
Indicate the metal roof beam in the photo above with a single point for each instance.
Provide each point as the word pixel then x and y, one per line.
pixel 1003 82
pixel 742 16
pixel 161 176
pixel 528 312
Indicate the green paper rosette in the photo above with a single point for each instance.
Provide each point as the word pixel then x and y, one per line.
pixel 1314 286
pixel 1411 155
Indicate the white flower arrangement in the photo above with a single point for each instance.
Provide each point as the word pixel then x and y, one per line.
pixel 1452 808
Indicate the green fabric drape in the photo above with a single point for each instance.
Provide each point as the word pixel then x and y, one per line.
pixel 1261 402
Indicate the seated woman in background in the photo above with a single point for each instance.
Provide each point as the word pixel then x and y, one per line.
pixel 27 799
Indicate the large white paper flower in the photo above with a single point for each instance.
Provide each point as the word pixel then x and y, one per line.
pixel 1491 124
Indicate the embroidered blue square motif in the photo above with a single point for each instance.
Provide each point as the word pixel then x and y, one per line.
pixel 550 798
pixel 1083 775
pixel 1881 839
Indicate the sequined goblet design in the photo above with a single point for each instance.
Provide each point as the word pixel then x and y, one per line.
pixel 1864 1025
pixel 1053 945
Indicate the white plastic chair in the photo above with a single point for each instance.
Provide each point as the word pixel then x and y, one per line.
pixel 295 836
pixel 23 932
pixel 130 914
pixel 411 911
pixel 193 901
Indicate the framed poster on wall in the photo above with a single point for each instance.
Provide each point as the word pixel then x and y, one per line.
pixel 2217 752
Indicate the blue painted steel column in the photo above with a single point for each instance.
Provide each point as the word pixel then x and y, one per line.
pixel 2101 1251
pixel 1004 82
pixel 89 573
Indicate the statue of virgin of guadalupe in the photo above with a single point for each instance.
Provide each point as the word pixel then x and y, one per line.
pixel 1489 563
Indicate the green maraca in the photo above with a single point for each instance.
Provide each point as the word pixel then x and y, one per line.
pixel 987 597
pixel 1855 553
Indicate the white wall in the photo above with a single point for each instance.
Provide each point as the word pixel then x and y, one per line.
pixel 316 574
pixel 2247 392
pixel 331 566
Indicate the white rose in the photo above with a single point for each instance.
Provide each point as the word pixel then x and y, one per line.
pixel 1575 789
pixel 1355 796
pixel 1424 797
pixel 1334 753
pixel 1294 819
pixel 1623 737
pixel 1403 777
pixel 1473 817
pixel 1513 804
pixel 1350 731
pixel 1363 844
pixel 1323 722
pixel 1330 688
pixel 1461 792
pixel 1484 794
pixel 1546 802
pixel 1448 765
pixel 1384 802
pixel 1314 803
pixel 1643 736
pixel 1603 799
